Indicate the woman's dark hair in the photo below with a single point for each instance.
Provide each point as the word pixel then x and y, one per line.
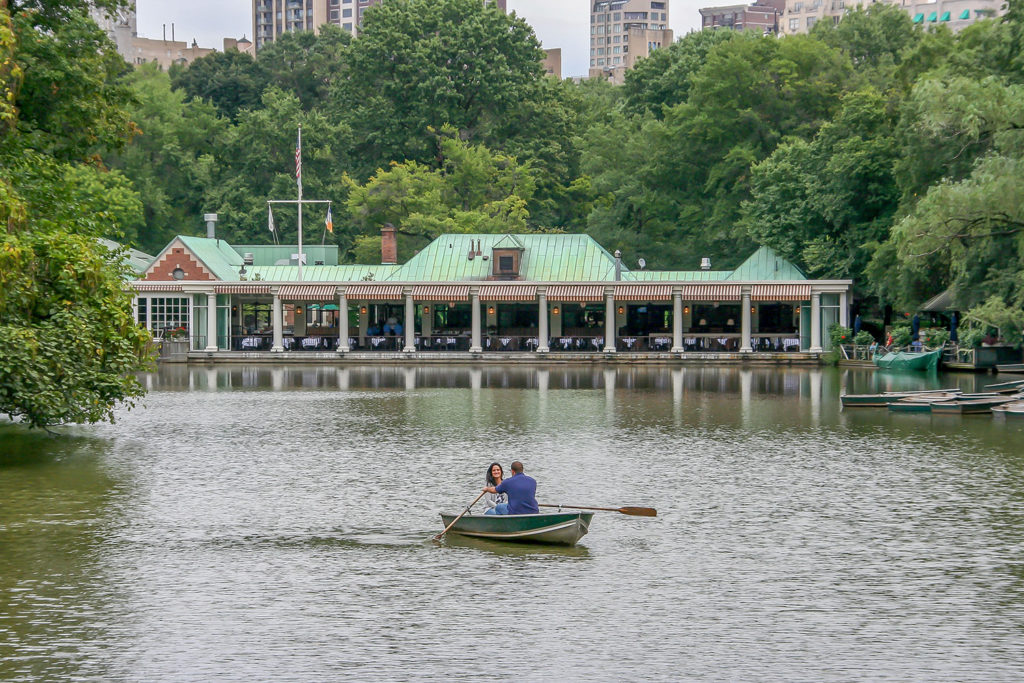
pixel 490 477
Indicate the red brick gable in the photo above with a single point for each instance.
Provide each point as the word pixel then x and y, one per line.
pixel 178 257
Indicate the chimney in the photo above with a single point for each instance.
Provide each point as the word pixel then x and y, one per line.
pixel 388 245
pixel 618 265
pixel 211 223
pixel 478 252
pixel 705 263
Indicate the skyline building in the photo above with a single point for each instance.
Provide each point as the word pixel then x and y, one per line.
pixel 624 31
pixel 763 15
pixel 801 15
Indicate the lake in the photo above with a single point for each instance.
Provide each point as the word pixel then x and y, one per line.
pixel 273 523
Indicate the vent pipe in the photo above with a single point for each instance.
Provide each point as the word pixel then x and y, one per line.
pixel 211 222
pixel 705 263
pixel 618 265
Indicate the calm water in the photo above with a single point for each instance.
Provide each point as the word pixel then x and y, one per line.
pixel 272 524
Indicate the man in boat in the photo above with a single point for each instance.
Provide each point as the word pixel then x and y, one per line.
pixel 520 489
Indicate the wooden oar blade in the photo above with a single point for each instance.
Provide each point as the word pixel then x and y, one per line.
pixel 639 512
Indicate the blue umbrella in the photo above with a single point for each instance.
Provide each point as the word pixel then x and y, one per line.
pixel 952 328
pixel 856 324
pixel 915 328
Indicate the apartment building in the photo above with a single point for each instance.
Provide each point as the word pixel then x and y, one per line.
pixel 765 16
pixel 624 31
pixel 271 18
pixel 801 15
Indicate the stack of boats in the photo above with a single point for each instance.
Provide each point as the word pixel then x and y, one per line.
pixel 1005 399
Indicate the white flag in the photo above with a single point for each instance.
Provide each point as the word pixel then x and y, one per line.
pixel 270 219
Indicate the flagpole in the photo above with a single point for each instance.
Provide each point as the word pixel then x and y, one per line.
pixel 298 177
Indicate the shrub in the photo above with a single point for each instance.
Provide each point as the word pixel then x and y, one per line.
pixel 864 338
pixel 839 334
pixel 937 337
pixel 900 335
pixel 971 338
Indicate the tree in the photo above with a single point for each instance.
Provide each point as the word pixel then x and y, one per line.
pixel 66 323
pixel 421 64
pixel 231 81
pixel 475 190
pixel 306 64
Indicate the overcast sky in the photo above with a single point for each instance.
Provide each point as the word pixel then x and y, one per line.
pixel 558 23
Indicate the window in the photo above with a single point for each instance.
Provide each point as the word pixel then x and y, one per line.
pixel 617 17
pixel 600 50
pixel 346 12
pixel 810 21
pixel 506 264
pixel 616 60
pixel 794 24
pixel 334 15
pixel 347 26
pixel 615 39
pixel 600 62
pixel 166 313
pixel 617 50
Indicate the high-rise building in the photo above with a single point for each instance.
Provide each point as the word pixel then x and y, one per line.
pixel 623 31
pixel 271 18
pixel 801 15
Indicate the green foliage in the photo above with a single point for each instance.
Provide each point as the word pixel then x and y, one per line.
pixel 474 190
pixel 996 313
pixel 936 337
pixel 901 335
pixel 839 334
pixel 971 338
pixel 71 344
pixel 863 338
pixel 231 81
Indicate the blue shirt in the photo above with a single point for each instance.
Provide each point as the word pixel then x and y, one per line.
pixel 522 491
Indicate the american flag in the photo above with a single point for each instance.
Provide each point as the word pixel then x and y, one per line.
pixel 298 158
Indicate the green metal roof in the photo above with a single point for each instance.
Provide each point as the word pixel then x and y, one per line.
pixel 508 242
pixel 217 255
pixel 270 254
pixel 681 275
pixel 546 258
pixel 137 260
pixel 349 273
pixel 765 264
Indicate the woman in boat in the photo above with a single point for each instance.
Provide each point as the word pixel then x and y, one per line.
pixel 495 503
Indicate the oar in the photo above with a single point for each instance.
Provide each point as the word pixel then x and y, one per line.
pixel 637 512
pixel 438 537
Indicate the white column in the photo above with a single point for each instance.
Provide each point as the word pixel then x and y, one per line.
pixel 474 305
pixel 410 324
pixel 815 323
pixel 677 320
pixel 211 321
pixel 609 321
pixel 343 346
pixel 542 322
pixel 278 321
pixel 844 310
pixel 745 321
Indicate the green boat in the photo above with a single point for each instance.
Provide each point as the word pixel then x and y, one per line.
pixel 554 528
pixel 970 406
pixel 902 360
pixel 1013 410
pixel 1006 387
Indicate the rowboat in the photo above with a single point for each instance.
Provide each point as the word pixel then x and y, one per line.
pixel 555 528
pixel 1012 367
pixel 902 360
pixel 920 404
pixel 884 399
pixel 1011 387
pixel 970 405
pixel 1014 410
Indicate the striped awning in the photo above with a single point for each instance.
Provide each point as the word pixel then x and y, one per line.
pixel 508 292
pixel 780 292
pixel 635 292
pixel 242 289
pixel 140 286
pixel 711 292
pixel 579 293
pixel 308 292
pixel 374 292
pixel 440 292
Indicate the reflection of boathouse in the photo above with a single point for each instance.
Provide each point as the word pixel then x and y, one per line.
pixel 477 294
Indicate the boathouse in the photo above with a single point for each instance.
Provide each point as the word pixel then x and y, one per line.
pixel 475 295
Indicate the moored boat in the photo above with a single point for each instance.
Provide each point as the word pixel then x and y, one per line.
pixel 920 404
pixel 1012 367
pixel 1014 410
pixel 902 360
pixel 969 406
pixel 1011 387
pixel 884 399
pixel 557 528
